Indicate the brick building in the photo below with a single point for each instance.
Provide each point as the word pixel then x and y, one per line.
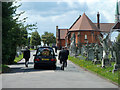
pixel 85 31
pixel 60 37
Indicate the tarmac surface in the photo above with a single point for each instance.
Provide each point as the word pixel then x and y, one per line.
pixel 72 77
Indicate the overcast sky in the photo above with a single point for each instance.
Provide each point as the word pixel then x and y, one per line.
pixel 64 12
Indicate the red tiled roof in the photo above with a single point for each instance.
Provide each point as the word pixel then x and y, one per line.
pixel 63 33
pixel 105 27
pixel 83 23
pixel 117 25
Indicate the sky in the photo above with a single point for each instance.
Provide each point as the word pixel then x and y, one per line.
pixel 62 13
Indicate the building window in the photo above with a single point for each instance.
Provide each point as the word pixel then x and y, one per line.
pixel 85 37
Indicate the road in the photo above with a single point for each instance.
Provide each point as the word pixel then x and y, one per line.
pixel 72 77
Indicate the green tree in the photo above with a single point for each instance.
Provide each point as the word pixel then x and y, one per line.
pixel 35 39
pixel 8 32
pixel 14 32
pixel 23 34
pixel 48 38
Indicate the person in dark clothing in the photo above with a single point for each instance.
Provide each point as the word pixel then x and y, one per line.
pixel 55 49
pixel 67 53
pixel 63 56
pixel 26 56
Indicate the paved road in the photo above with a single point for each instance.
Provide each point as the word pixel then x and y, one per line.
pixel 72 77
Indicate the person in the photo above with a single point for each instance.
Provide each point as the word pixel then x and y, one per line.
pixel 67 53
pixel 55 49
pixel 26 56
pixel 63 56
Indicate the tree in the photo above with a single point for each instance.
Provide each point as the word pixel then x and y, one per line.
pixel 14 32
pixel 23 34
pixel 48 38
pixel 35 39
pixel 8 32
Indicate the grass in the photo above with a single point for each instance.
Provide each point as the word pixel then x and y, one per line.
pixel 4 68
pixel 105 72
pixel 0 69
pixel 32 49
pixel 17 59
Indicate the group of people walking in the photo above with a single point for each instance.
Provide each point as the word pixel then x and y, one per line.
pixel 63 56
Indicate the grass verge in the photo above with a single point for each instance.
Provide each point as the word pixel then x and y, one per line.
pixel 4 69
pixel 32 49
pixel 0 68
pixel 104 72
pixel 17 59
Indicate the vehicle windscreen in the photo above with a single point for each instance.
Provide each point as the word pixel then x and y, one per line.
pixel 45 52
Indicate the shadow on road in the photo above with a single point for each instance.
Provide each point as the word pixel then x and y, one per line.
pixel 20 68
pixel 22 63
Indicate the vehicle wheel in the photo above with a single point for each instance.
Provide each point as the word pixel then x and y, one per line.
pixel 35 66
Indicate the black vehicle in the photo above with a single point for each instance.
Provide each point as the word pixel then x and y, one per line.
pixel 46 57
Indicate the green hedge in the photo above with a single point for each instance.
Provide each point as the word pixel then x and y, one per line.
pixel 4 68
pixel 105 72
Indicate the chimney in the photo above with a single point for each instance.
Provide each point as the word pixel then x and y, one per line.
pixel 56 28
pixel 98 20
pixel 57 33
